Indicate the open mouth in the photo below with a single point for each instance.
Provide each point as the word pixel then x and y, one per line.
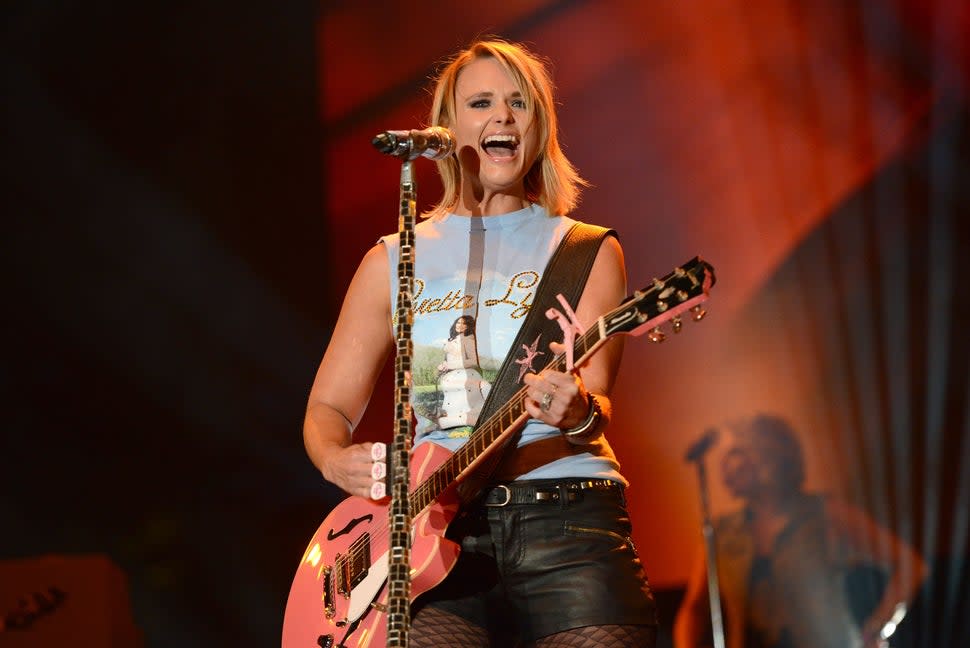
pixel 501 146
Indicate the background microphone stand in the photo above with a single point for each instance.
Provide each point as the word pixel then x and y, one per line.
pixel 695 455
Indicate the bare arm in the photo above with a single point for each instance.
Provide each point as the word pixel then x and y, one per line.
pixel 605 289
pixel 692 625
pixel 358 348
pixel 869 542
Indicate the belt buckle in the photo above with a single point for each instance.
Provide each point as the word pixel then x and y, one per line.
pixel 508 496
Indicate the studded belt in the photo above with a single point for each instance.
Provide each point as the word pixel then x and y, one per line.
pixel 544 491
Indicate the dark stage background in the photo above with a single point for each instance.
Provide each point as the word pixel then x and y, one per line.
pixel 188 186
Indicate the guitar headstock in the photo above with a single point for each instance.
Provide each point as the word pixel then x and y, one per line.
pixel 666 299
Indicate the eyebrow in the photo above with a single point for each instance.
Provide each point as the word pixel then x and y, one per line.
pixel 489 94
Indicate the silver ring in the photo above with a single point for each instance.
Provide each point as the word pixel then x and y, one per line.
pixel 546 402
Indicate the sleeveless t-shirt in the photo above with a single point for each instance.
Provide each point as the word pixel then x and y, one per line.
pixel 475 279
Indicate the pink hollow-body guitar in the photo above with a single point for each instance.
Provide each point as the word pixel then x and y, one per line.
pixel 339 593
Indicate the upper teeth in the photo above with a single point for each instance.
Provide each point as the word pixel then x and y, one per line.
pixel 501 138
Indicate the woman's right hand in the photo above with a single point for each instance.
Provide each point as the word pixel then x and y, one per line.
pixel 350 468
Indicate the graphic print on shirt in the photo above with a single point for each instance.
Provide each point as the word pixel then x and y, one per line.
pixel 452 370
pixel 461 388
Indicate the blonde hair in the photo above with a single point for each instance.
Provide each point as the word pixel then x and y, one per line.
pixel 552 181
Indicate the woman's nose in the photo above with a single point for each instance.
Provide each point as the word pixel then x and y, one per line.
pixel 504 114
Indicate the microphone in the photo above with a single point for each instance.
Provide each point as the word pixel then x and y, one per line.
pixel 434 143
pixel 699 448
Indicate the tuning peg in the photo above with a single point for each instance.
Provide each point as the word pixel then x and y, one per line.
pixel 676 324
pixel 682 295
pixel 698 313
pixel 656 335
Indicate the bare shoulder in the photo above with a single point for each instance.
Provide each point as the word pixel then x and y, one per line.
pixel 370 286
pixel 610 255
pixel 374 265
pixel 366 309
pixel 607 278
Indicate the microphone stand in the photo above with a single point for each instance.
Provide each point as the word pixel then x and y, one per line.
pixel 713 588
pixel 399 559
pixel 435 143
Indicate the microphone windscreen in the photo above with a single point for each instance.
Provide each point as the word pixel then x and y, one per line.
pixel 384 143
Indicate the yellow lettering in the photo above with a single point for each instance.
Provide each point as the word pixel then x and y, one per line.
pixel 524 305
pixel 453 300
pixel 520 281
pixel 517 295
pixel 419 283
pixel 449 301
